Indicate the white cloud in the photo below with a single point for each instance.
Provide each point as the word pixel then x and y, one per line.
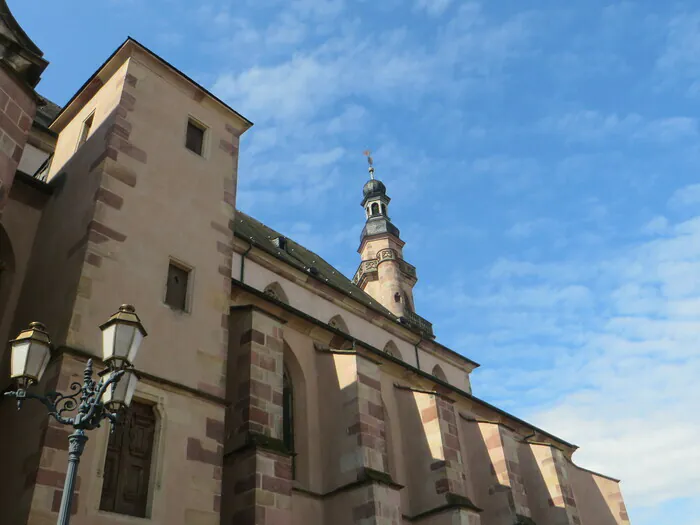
pixel 433 7
pixel 687 196
pixel 388 65
pixel 526 229
pixel 612 361
pixel 679 62
pixel 592 126
pixel 656 226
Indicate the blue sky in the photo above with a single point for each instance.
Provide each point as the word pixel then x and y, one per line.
pixel 544 165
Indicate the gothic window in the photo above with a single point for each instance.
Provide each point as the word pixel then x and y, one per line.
pixel 128 463
pixel 7 268
pixel 288 415
pixel 437 372
pixel 338 323
pixel 275 291
pixel 375 208
pixel 391 349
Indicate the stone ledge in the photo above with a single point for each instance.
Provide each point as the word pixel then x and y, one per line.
pixel 366 477
pixel 523 520
pixel 254 440
pixel 454 502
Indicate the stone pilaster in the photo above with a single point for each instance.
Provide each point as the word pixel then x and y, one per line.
pixel 507 485
pixel 365 442
pixel 444 470
pixel 258 468
pixel 376 500
pixel 440 425
pixel 552 468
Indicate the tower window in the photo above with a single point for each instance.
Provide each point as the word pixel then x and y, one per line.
pixel 176 293
pixel 195 137
pixel 375 208
pixel 397 297
pixel 383 209
pixel 85 131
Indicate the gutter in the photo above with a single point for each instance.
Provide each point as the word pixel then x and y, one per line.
pixel 415 347
pixel 243 255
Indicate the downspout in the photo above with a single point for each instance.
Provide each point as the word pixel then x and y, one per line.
pixel 415 347
pixel 250 247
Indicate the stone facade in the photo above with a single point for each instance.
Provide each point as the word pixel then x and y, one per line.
pixel 265 411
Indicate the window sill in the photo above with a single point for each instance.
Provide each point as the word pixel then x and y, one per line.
pixel 195 154
pixel 124 518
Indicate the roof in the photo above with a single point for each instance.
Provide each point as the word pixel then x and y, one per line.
pixel 46 112
pixel 305 260
pixel 263 237
pixel 16 30
pixel 131 41
pixel 21 54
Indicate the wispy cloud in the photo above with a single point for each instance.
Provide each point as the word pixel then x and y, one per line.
pixel 614 342
pixel 433 7
pixel 588 126
pixel 679 62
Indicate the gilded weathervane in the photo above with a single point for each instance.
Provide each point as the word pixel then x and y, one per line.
pixel 368 154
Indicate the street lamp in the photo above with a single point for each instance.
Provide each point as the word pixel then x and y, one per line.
pixel 122 335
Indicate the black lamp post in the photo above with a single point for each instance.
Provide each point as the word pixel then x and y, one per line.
pixel 121 337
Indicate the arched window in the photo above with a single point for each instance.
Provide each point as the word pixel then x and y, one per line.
pixel 383 209
pixel 7 268
pixel 391 349
pixel 397 297
pixel 275 291
pixel 288 416
pixel 375 208
pixel 437 372
pixel 338 323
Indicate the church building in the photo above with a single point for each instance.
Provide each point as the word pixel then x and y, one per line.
pixel 273 390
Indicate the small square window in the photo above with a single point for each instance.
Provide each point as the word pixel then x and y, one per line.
pixel 85 131
pixel 176 292
pixel 195 137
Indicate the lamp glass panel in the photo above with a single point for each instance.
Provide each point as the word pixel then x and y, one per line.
pixel 20 352
pixel 121 392
pixel 135 344
pixel 108 342
pixel 39 356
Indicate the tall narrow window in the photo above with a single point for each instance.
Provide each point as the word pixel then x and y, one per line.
pixel 288 415
pixel 195 137
pixel 375 208
pixel 128 462
pixel 85 131
pixel 176 292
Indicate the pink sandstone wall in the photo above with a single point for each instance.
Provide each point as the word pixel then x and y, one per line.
pixel 17 109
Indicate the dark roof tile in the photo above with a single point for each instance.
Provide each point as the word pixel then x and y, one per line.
pixel 305 260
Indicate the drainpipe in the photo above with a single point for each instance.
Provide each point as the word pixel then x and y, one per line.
pixel 415 347
pixel 250 247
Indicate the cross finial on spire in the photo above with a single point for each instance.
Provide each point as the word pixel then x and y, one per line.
pixel 368 154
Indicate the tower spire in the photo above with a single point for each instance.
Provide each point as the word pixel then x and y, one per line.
pixel 383 272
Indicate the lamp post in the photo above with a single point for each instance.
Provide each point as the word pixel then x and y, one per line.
pixel 31 350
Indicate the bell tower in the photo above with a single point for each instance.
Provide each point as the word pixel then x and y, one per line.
pixel 383 273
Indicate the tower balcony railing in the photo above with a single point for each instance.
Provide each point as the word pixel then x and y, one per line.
pixel 416 321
